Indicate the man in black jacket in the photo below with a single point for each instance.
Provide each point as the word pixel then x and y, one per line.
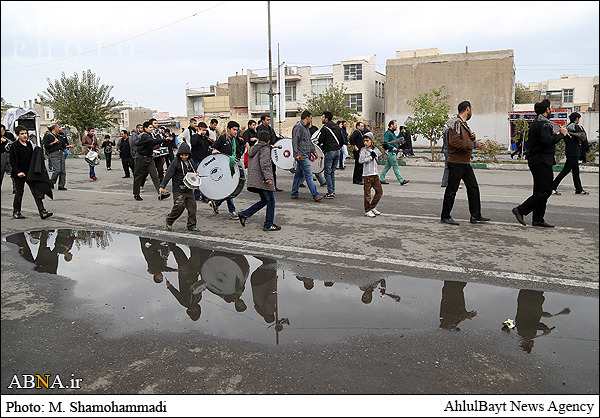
pixel 125 152
pixel 54 147
pixel 144 162
pixel 542 146
pixel 330 140
pixel 574 143
pixel 356 140
pixel 200 143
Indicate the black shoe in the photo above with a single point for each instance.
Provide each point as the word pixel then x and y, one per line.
pixel 583 192
pixel 450 221
pixel 18 215
pixel 277 189
pixel 125 177
pixel 518 215
pixel 45 214
pixel 242 219
pixel 358 182
pixel 214 207
pixel 273 227
pixel 384 182
pixel 404 182
pixel 474 220
pixel 137 197
pixel 301 185
pixel 62 188
pixel 542 224
pixel 164 196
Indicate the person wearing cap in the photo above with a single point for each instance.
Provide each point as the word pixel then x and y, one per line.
pixel 369 154
pixel 183 196
pixel 107 146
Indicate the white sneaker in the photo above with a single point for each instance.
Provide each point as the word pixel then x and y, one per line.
pixel 370 214
pixel 375 211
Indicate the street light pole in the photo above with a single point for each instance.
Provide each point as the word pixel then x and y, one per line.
pixel 270 65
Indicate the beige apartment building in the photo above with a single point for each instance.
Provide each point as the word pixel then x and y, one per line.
pixel 365 87
pixel 571 92
pixel 486 79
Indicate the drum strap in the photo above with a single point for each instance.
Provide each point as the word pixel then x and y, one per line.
pixel 232 158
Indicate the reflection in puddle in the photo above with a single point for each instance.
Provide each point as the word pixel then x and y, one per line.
pixel 165 286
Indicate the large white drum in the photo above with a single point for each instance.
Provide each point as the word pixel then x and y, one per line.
pixel 317 164
pixel 217 181
pixel 282 154
pixel 92 158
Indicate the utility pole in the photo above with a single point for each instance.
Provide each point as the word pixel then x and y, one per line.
pixel 270 65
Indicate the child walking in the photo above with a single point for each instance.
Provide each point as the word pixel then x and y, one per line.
pixel 368 157
pixel 260 180
pixel 183 197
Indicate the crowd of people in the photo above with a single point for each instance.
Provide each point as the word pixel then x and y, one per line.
pixel 149 148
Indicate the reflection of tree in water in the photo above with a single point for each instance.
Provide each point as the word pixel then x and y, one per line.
pixel 101 238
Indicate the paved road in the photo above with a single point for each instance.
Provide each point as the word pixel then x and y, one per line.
pixel 321 240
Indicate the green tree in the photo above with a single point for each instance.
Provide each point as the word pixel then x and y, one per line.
pixel 81 103
pixel 5 104
pixel 524 95
pixel 334 99
pixel 430 116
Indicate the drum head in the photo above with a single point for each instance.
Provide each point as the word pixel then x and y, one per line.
pixel 192 180
pixel 283 155
pixel 220 274
pixel 217 181
pixel 317 165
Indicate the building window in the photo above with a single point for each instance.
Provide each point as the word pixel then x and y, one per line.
pixel 568 96
pixel 261 98
pixel 197 106
pixel 355 102
pixel 290 91
pixel 353 72
pixel 320 85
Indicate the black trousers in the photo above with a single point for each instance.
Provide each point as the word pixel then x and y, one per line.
pixel 144 166
pixel 127 163
pixel 456 173
pixel 542 189
pixel 572 164
pixel 358 168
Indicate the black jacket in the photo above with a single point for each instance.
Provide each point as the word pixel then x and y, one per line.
pixel 327 140
pixel 37 176
pixel 146 144
pixel 575 144
pixel 200 147
pixel 224 145
pixel 357 139
pixel 270 130
pixel 542 142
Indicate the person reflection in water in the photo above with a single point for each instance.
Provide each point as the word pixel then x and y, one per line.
pixel 452 307
pixel 64 243
pixel 188 271
pixel 46 260
pixel 367 296
pixel 528 316
pixel 308 283
pixel 156 254
pixel 21 241
pixel 264 289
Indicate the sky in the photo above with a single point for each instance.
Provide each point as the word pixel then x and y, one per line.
pixel 151 51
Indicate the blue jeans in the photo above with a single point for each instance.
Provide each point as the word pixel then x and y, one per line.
pixel 332 159
pixel 391 163
pixel 267 198
pixel 319 177
pixel 197 194
pixel 92 172
pixel 446 170
pixel 230 205
pixel 303 170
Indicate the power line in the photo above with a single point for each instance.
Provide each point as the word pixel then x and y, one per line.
pixel 115 43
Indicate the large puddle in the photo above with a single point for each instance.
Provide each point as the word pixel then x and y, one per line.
pixel 149 284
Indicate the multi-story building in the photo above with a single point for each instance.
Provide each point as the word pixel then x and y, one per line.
pixel 570 92
pixel 213 100
pixel 486 79
pixel 129 118
pixel 365 87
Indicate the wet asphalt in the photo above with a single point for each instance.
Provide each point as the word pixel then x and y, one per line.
pixel 72 322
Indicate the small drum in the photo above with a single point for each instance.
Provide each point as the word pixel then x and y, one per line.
pixel 317 165
pixel 160 152
pixel 282 154
pixel 92 158
pixel 218 182
pixel 192 181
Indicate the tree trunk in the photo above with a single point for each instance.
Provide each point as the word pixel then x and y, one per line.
pixel 432 154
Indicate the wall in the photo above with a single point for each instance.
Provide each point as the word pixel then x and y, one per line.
pixel 486 79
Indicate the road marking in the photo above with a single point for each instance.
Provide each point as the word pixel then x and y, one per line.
pixel 253 248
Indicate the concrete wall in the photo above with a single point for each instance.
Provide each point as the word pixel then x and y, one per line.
pixel 486 79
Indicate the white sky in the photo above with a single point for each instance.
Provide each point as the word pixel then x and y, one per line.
pixel 151 60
